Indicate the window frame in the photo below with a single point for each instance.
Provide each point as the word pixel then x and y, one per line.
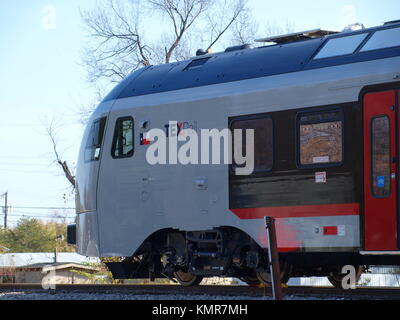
pixel 341 118
pixel 115 137
pixel 371 183
pixel 246 118
pixel 98 120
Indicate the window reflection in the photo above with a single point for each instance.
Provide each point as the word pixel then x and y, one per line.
pixel 383 39
pixel 263 141
pixel 341 46
pixel 123 138
pixel 381 156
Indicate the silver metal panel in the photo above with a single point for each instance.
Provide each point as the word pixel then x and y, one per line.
pixel 309 232
pixel 294 233
pixel 87 234
pixel 138 199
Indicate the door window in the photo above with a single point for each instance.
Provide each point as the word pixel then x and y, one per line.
pixel 380 139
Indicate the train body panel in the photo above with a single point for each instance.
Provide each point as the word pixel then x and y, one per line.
pixel 136 179
pixel 88 241
pixel 86 185
pixel 126 205
pixel 87 170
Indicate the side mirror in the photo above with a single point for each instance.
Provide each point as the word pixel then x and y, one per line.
pixel 71 234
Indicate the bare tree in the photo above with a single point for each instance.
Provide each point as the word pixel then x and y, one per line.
pixel 222 17
pixel 245 29
pixel 115 46
pixel 83 109
pixel 60 217
pixel 119 44
pixel 51 129
pixel 182 15
pixel 276 30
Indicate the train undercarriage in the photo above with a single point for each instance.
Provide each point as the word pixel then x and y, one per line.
pixel 189 257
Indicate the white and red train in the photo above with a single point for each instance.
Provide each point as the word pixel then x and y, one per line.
pixel 325 110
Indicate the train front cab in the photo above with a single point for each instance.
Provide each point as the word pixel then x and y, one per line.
pixel 84 234
pixel 381 143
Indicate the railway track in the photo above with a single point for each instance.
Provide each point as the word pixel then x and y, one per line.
pixel 225 291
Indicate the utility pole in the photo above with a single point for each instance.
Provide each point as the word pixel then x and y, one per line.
pixel 5 209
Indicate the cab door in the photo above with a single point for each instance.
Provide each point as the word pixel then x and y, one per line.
pixel 380 171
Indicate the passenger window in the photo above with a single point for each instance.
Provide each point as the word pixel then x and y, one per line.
pixel 380 157
pixel 320 139
pixel 95 139
pixel 263 141
pixel 123 144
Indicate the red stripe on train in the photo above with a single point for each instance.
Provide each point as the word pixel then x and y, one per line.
pixel 322 210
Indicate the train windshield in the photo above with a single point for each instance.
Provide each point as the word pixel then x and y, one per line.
pixel 95 139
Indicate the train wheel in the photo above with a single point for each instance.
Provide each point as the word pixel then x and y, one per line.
pixel 265 276
pixel 187 279
pixel 336 277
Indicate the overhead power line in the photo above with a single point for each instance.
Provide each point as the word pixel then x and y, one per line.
pixel 43 214
pixel 45 208
pixel 40 217
pixel 26 171
pixel 24 164
pixel 18 213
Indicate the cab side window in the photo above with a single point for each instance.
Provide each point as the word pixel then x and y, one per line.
pixel 123 143
pixel 95 140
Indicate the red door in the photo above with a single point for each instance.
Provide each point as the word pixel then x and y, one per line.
pixel 380 171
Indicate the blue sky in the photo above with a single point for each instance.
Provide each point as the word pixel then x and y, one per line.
pixel 310 14
pixel 41 76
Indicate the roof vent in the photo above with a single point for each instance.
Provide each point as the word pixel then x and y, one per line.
pixel 197 63
pixel 292 37
pixel 236 48
pixel 391 22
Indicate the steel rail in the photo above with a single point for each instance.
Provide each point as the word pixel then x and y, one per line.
pixel 242 291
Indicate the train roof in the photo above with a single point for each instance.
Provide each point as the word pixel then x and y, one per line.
pixel 241 63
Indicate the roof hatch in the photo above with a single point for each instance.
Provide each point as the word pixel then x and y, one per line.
pixel 292 37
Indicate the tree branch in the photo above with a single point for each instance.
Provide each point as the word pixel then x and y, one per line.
pixel 221 26
pixel 51 133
